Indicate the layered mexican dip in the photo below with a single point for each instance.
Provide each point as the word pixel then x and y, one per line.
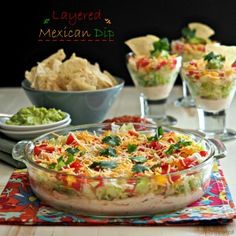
pixel 152 68
pixel 192 44
pixel 212 79
pixel 120 171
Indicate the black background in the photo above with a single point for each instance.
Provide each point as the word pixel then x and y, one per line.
pixel 22 20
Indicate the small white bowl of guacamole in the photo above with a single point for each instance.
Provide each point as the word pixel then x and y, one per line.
pixel 34 118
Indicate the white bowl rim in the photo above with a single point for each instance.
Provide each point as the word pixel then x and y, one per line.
pixel 36 132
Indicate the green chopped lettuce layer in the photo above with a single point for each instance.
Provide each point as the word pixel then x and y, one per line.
pixel 153 78
pixel 118 191
pixel 110 192
pixel 210 90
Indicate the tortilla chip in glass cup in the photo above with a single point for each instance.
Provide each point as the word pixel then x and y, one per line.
pixel 154 73
pixel 212 83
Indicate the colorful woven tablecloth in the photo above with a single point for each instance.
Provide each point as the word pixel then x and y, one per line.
pixel 19 206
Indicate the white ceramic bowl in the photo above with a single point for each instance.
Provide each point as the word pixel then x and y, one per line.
pixel 5 126
pixel 29 134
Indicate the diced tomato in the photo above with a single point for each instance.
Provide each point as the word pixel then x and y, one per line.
pixel 189 162
pixel 133 133
pixel 131 181
pixel 141 149
pixel 165 168
pixel 174 62
pixel 171 140
pixel 142 62
pixel 201 48
pixel 61 177
pixel 203 153
pixel 100 179
pixel 191 72
pixel 175 178
pixel 76 185
pixel 161 64
pixel 130 191
pixel 71 139
pixel 155 145
pixel 79 183
pixel 149 157
pixel 179 47
pixel 76 165
pixel 234 65
pixel 43 147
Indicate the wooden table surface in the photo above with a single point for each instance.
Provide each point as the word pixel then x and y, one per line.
pixel 11 99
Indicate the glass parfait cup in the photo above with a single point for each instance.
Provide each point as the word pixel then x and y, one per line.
pixel 188 52
pixel 213 91
pixel 154 78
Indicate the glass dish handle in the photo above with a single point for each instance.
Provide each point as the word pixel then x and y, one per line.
pixel 18 151
pixel 220 148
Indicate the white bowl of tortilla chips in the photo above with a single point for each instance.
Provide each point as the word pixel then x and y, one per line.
pixel 74 86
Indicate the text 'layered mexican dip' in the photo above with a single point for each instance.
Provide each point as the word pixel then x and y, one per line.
pixel 152 68
pixel 194 39
pixel 212 79
pixel 120 172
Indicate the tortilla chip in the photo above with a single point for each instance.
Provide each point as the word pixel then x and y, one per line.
pixel 59 55
pixel 74 74
pixel 202 31
pixel 142 45
pixel 78 83
pixel 228 51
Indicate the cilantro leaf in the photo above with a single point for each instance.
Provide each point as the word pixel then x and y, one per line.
pixel 214 61
pixel 188 33
pixel 108 152
pixel 103 165
pixel 190 36
pixel 177 146
pixel 160 46
pixel 112 140
pixel 139 159
pixel 139 168
pixel 132 148
pixel 72 151
pixel 159 133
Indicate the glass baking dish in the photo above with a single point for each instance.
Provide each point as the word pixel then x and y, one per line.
pixel 120 196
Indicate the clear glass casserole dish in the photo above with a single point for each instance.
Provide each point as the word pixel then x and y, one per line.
pixel 140 194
